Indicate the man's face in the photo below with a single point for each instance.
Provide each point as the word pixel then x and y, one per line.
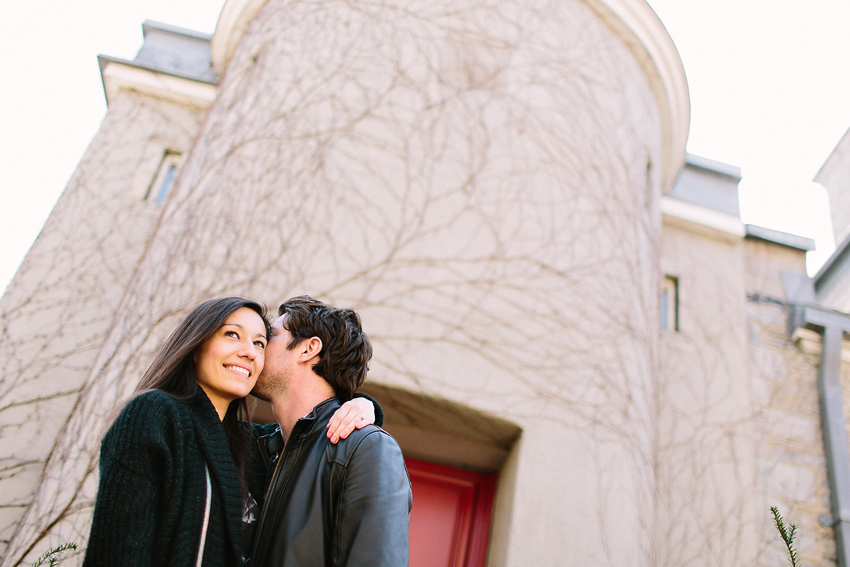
pixel 280 364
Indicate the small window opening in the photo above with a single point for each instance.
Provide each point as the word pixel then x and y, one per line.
pixel 161 183
pixel 670 304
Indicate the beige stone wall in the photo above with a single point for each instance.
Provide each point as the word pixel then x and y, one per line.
pixel 786 413
pixel 738 421
pixel 706 473
pixel 58 311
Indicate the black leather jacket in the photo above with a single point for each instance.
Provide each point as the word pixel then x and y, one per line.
pixel 333 505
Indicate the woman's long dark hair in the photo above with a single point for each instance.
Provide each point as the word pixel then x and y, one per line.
pixel 173 370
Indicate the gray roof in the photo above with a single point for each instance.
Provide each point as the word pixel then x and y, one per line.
pixel 172 50
pixel 709 184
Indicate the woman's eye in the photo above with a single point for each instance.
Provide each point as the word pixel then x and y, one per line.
pixel 233 334
pixel 260 345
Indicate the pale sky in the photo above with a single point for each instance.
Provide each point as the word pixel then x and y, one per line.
pixel 769 84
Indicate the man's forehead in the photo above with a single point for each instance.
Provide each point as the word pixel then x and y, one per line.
pixel 280 322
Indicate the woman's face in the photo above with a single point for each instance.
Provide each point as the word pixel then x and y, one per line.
pixel 227 364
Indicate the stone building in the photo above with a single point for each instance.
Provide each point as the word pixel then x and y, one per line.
pixel 576 337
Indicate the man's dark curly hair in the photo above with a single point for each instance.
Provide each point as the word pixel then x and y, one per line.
pixel 346 350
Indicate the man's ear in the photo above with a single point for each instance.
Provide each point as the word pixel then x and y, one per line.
pixel 310 349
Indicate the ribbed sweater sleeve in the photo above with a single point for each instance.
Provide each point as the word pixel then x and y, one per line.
pixel 142 465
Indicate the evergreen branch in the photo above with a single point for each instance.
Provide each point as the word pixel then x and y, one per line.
pixel 50 556
pixel 787 534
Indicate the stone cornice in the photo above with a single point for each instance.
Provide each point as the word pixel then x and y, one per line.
pixel 118 74
pixel 703 220
pixel 634 22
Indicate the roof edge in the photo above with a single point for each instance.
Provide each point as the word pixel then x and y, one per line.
pixel 779 237
pixel 838 253
pixel 720 168
pixel 153 24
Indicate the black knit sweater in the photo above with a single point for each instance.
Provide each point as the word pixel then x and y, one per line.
pixel 152 493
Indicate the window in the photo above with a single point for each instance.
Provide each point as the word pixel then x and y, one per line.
pixel 161 183
pixel 670 304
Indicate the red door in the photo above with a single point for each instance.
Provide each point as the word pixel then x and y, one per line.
pixel 450 521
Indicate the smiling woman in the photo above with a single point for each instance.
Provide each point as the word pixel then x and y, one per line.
pixel 172 466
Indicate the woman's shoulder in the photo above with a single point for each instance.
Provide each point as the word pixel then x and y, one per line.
pixel 152 410
pixel 154 401
pixel 151 428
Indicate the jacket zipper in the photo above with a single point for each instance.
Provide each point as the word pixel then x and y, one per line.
pixel 265 511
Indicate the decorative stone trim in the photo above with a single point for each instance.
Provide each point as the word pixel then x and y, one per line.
pixel 686 215
pixel 118 75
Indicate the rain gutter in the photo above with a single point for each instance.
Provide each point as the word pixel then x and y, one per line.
pixel 832 326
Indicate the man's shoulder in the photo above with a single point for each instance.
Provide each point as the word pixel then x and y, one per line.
pixel 372 433
pixel 374 465
pixel 371 439
pixel 370 430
